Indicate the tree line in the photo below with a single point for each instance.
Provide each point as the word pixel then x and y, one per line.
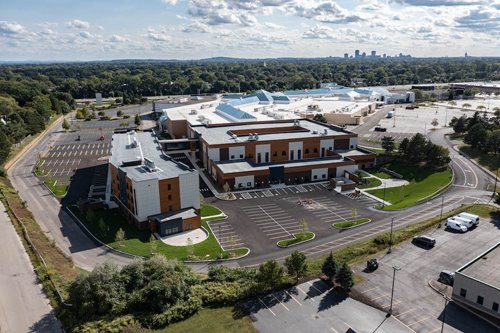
pixel 480 131
pixel 156 292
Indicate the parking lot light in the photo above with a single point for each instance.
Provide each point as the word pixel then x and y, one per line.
pixel 395 268
pixel 390 240
pixel 441 215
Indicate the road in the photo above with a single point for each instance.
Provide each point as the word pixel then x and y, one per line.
pixel 23 304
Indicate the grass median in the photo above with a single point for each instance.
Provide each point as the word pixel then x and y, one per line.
pixel 104 224
pixel 297 238
pixel 55 186
pixel 351 223
pixel 424 181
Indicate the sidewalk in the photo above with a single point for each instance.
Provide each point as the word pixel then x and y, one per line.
pixel 386 183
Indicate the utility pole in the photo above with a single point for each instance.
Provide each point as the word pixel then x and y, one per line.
pixel 441 215
pixel 444 311
pixel 390 240
pixel 392 291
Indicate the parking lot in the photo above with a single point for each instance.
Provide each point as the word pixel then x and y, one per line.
pixel 263 220
pixel 226 235
pixel 415 303
pixel 314 307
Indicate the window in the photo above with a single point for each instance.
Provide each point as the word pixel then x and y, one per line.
pixel 323 176
pixel 169 187
pixel 480 300
pixel 495 307
pixel 188 226
pixel 275 153
pixel 232 157
pixel 283 153
pixel 463 292
pixel 315 150
pixel 241 155
pixel 249 184
pixel 315 177
pixel 170 197
pixel 330 148
pixel 170 208
pixel 307 150
pixel 352 146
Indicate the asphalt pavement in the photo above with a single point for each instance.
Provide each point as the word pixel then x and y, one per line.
pixel 23 304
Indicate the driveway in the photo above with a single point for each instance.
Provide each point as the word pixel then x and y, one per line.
pixel 314 307
pixel 415 303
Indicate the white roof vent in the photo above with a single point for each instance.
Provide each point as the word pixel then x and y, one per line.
pixel 149 165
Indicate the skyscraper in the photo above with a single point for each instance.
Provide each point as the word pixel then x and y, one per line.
pixel 356 54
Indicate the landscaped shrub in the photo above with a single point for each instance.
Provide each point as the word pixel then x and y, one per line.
pixel 218 293
pixel 178 312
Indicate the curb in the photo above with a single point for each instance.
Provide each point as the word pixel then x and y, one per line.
pixel 222 259
pixel 301 242
pixel 439 191
pixel 352 227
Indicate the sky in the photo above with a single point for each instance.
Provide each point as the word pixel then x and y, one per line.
pixel 194 29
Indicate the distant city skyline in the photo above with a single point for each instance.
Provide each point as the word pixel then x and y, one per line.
pixel 70 30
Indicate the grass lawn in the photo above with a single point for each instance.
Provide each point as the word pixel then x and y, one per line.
pixel 213 320
pixel 423 182
pixel 58 189
pixel 209 210
pixel 381 174
pixel 375 150
pixel 371 182
pixel 351 223
pixel 298 237
pixel 487 160
pixel 137 241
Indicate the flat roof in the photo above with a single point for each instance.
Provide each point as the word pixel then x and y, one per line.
pixel 245 166
pixel 214 135
pixel 485 268
pixel 131 151
pixel 185 213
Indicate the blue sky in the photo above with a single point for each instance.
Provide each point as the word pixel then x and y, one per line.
pixel 193 29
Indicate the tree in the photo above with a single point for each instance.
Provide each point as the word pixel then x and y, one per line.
pixel 103 227
pixel 459 124
pixel 434 122
pixel 119 113
pixel 153 245
pixel 320 117
pixel 476 136
pixel 5 145
pixel 65 125
pixel 466 106
pixel 388 144
pixel 344 277
pixel 120 237
pixel 296 265
pixel 329 267
pixel 137 120
pixel 403 147
pixel 270 274
pixel 493 142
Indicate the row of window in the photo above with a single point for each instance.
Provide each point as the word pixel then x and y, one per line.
pixel 283 153
pixel 479 300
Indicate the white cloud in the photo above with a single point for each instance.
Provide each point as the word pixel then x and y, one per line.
pixel 118 39
pixel 78 24
pixel 439 3
pixel 158 36
pixel 169 2
pixel 11 29
pixel 196 27
pixel 481 20
pixel 85 34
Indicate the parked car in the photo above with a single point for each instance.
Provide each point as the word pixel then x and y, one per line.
pixel 371 265
pixel 466 222
pixel 455 225
pixel 447 277
pixel 380 129
pixel 474 218
pixel 424 241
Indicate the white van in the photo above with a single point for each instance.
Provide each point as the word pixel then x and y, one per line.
pixel 474 218
pixel 455 225
pixel 467 222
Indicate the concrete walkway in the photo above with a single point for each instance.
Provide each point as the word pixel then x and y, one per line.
pixel 202 175
pixel 196 236
pixel 386 183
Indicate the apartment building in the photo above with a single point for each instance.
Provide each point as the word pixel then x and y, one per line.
pixel 153 191
pixel 258 154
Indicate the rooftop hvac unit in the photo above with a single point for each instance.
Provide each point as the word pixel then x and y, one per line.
pixel 315 132
pixel 264 111
pixel 193 112
pixel 256 136
pixel 325 132
pixel 207 122
pixel 134 143
pixel 256 110
pixel 201 118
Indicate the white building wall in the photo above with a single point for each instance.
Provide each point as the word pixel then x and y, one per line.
pixel 321 174
pixel 147 198
pixel 243 180
pixel 214 154
pixel 262 150
pixel 189 190
pixel 295 147
pixel 350 168
pixel 353 143
pixel 327 144
pixel 235 153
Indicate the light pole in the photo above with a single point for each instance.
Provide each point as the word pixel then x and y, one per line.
pixel 392 291
pixel 444 311
pixel 496 178
pixel 390 240
pixel 220 238
pixel 441 215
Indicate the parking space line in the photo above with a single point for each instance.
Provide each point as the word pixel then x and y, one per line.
pixel 384 295
pixel 418 321
pixel 310 284
pixel 405 312
pixel 435 329
pixel 362 292
pixel 310 297
pixel 287 309
pixel 293 298
pixel 266 306
pixel 393 303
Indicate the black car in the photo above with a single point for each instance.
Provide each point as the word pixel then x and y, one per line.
pixel 380 129
pixel 371 265
pixel 447 277
pixel 424 241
